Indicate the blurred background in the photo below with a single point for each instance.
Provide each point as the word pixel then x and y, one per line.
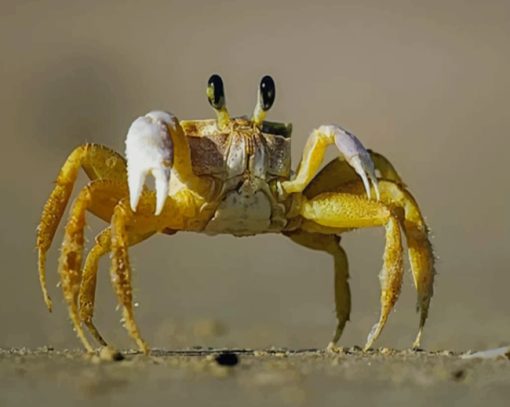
pixel 425 83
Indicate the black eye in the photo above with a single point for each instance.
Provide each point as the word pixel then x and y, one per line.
pixel 215 92
pixel 267 92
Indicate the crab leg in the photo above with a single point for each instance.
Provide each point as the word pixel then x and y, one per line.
pixel 89 280
pixel 121 274
pixel 348 144
pixel 331 245
pixel 70 260
pixel 421 256
pixel 338 172
pixel 89 277
pixel 98 162
pixel 128 227
pixel 99 197
pixel 337 176
pixel 344 211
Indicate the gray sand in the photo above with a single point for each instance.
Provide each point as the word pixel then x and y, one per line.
pixel 269 377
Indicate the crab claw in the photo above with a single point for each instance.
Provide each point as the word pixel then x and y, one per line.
pixel 356 155
pixel 149 149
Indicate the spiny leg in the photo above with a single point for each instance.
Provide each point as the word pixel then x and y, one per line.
pixel 181 210
pixel 70 261
pixel 344 211
pixel 120 273
pixel 421 256
pixel 390 278
pixel 342 293
pixel 338 176
pixel 88 282
pixel 331 245
pixel 89 278
pixel 99 197
pixel 98 162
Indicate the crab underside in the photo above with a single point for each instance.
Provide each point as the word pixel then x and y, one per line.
pixel 231 175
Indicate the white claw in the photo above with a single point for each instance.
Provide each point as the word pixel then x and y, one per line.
pixel 355 163
pixel 136 179
pixel 162 181
pixel 149 149
pixel 356 155
pixel 375 184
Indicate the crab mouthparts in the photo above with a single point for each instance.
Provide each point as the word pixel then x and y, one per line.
pixel 149 150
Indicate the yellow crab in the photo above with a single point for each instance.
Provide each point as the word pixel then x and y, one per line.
pixel 231 175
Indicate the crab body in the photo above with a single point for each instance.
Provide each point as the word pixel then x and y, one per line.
pixel 245 163
pixel 231 176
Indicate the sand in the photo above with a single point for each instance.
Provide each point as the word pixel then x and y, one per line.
pixel 266 377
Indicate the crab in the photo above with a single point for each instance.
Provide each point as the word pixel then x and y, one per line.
pixel 231 176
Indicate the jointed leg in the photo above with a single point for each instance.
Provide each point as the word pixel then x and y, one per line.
pixel 89 277
pixel 127 226
pixel 341 210
pixel 421 257
pixel 88 282
pixel 338 176
pixel 72 247
pixel 349 146
pixel 331 245
pixel 390 278
pixel 121 274
pixel 70 261
pixel 342 292
pixel 98 162
pixel 338 172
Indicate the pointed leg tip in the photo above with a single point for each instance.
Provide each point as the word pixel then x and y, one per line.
pixel 372 336
pixel 332 348
pixel 144 348
pixel 48 302
pixel 417 341
pixel 89 349
pixel 368 344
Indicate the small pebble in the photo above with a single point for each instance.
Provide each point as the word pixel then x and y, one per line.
pixel 459 374
pixel 227 359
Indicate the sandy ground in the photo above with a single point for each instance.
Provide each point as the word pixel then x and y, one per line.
pixel 266 377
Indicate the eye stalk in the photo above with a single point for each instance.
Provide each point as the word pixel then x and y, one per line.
pixel 216 97
pixel 265 99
